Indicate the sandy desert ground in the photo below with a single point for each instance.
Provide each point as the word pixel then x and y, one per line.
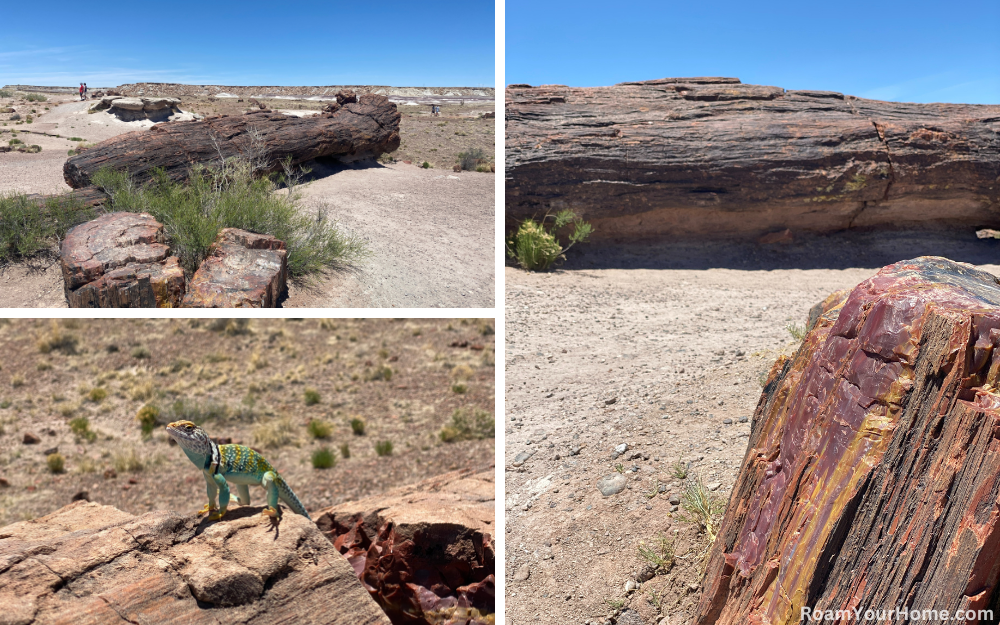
pixel 662 348
pixel 429 232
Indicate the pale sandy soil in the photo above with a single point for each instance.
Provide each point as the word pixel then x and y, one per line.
pixel 429 232
pixel 678 337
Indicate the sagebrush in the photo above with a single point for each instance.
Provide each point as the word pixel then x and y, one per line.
pixel 535 246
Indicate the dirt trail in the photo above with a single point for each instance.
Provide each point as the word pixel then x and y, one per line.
pixel 657 359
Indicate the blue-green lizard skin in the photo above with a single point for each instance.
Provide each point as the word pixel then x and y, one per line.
pixel 232 464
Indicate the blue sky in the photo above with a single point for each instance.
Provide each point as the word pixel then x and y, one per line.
pixel 914 51
pixel 305 42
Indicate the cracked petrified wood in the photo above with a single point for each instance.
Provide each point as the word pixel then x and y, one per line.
pixel 120 260
pixel 425 552
pixel 872 477
pixel 94 564
pixel 711 157
pixel 243 270
pixel 362 129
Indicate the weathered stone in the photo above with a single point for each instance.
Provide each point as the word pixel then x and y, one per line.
pixel 612 484
pixel 30 439
pixel 425 551
pixel 127 104
pixel 709 157
pixel 94 564
pixel 244 270
pixel 130 242
pixel 363 129
pixel 872 471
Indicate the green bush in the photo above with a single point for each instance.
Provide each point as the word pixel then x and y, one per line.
pixel 469 424
pixel 27 230
pixel 141 352
pixel 459 388
pixel 383 448
pixel 426 165
pixel 469 159
pixel 97 394
pixel 345 451
pixel 81 428
pixel 147 418
pixel 535 247
pixel 35 97
pixel 231 197
pixel 6 93
pixel 323 458
pixel 56 462
pixel 311 396
pixel 319 429
pixel 358 426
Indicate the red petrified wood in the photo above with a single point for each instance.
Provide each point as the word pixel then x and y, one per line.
pixel 120 260
pixel 872 478
pixel 244 270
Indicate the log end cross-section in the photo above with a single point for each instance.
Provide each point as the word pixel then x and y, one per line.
pixel 244 270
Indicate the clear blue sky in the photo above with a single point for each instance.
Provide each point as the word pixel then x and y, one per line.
pixel 444 43
pixel 912 51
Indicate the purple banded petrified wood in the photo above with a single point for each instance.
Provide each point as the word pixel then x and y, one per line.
pixel 120 260
pixel 872 477
pixel 243 270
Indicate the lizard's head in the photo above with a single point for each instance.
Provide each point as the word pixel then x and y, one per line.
pixel 190 437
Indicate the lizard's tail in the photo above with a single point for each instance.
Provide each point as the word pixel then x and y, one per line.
pixel 286 495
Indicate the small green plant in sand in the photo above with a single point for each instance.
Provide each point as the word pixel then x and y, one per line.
pixel 311 396
pixel 147 417
pixel 679 470
pixel 383 448
pixel 661 555
pixel 97 394
pixel 471 158
pixel 798 332
pixel 319 429
pixel 534 245
pixel 469 424
pixel 56 462
pixel 233 195
pixel 701 507
pixel 323 458
pixel 80 426
pixel 345 451
pixel 459 388
pixel 358 426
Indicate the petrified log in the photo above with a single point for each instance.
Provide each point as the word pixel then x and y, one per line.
pixel 244 270
pixel 87 197
pixel 424 552
pixel 710 157
pixel 362 129
pixel 121 260
pixel 93 564
pixel 872 475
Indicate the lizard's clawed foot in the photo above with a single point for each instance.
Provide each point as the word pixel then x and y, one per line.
pixel 207 509
pixel 217 515
pixel 270 512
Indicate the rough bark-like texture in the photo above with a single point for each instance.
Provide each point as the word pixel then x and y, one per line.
pixel 362 129
pixel 425 552
pixel 93 564
pixel 872 477
pixel 709 157
pixel 244 270
pixel 121 260
pixel 87 197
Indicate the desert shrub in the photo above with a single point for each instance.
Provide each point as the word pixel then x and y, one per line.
pixel 231 327
pixel 319 429
pixel 147 417
pixel 56 339
pixel 6 93
pixel 459 388
pixel 15 141
pixel 358 426
pixel 425 164
pixel 798 332
pixel 661 556
pixel 462 372
pixel 178 364
pixel 323 458
pixel 140 352
pixel 143 391
pixel 81 428
pixel 702 507
pixel 17 380
pixel 128 460
pixel 382 372
pixel 472 157
pixel 27 230
pixel 97 394
pixel 56 462
pixel 35 97
pixel 43 366
pixel 469 424
pixel 534 245
pixel 311 396
pixel 231 197
pixel 386 157
pixel 383 448
pixel 75 139
pixel 196 411
pixel 345 451
pixel 275 432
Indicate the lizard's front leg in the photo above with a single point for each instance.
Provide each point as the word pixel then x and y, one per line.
pixel 220 481
pixel 213 491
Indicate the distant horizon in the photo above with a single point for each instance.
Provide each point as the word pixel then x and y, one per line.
pixel 193 84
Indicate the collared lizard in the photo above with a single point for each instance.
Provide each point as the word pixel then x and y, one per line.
pixel 236 464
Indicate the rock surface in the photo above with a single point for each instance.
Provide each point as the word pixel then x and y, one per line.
pixel 120 258
pixel 87 563
pixel 871 476
pixel 244 270
pixel 709 157
pixel 358 130
pixel 425 552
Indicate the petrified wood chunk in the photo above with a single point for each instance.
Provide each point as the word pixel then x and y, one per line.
pixel 710 157
pixel 94 564
pixel 362 129
pixel 122 260
pixel 244 270
pixel 423 551
pixel 873 469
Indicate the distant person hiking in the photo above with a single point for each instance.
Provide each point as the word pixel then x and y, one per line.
pixel 85 90
pixel 81 90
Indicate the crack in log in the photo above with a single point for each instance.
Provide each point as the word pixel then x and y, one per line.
pixel 888 156
pixel 856 214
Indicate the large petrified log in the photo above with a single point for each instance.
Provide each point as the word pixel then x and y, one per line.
pixel 243 270
pixel 94 564
pixel 425 552
pixel 120 260
pixel 362 129
pixel 711 157
pixel 872 477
